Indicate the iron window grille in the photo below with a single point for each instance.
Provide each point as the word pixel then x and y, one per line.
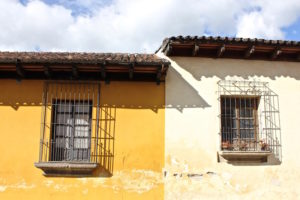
pixel 77 135
pixel 249 116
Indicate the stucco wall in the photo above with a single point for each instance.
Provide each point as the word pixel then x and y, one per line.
pixel 139 145
pixel 192 131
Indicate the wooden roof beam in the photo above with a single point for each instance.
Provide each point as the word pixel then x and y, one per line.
pixel 277 51
pixel 103 71
pixel 250 51
pixel 169 50
pixel 75 73
pixel 47 71
pixel 195 50
pixel 158 74
pixel 221 51
pixel 19 69
pixel 131 70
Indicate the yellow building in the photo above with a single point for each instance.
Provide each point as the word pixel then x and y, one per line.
pixel 81 126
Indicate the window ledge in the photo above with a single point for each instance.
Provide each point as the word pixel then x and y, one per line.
pixel 66 168
pixel 245 156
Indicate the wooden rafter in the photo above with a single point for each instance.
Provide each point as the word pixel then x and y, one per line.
pixel 221 51
pixel 158 74
pixel 47 71
pixel 75 73
pixel 168 50
pixel 19 69
pixel 249 51
pixel 195 50
pixel 103 71
pixel 277 51
pixel 131 71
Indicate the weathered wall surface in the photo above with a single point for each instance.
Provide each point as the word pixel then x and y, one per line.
pixel 139 145
pixel 192 132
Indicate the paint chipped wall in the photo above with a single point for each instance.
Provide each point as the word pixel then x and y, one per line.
pixel 139 145
pixel 192 131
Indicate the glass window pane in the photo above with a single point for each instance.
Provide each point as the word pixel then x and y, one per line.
pixel 64 107
pixel 82 119
pixel 228 107
pixel 82 107
pixel 81 131
pixel 246 134
pixel 62 130
pixel 246 123
pixel 246 102
pixel 64 119
pixel 80 143
pixel 246 112
pixel 62 143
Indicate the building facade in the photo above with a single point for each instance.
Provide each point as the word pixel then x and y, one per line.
pixel 232 134
pixel 204 118
pixel 82 126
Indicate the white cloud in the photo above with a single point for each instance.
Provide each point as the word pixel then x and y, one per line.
pixel 136 25
pixel 25 28
pixel 255 25
pixel 269 21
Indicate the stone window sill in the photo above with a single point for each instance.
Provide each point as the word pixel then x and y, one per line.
pixel 66 168
pixel 245 156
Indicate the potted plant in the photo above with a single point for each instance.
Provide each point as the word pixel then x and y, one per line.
pixel 226 145
pixel 263 145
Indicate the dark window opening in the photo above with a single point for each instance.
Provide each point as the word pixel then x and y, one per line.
pixel 71 130
pixel 239 125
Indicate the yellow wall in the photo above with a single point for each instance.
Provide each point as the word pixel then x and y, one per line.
pixel 139 145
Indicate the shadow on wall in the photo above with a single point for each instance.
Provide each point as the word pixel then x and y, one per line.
pixel 144 95
pixel 14 94
pixel 106 141
pixel 182 94
pixel 221 68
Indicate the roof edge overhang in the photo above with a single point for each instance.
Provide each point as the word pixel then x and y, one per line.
pixel 227 47
pixel 35 66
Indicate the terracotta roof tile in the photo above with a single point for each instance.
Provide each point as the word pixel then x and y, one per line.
pixel 236 47
pixel 232 39
pixel 80 58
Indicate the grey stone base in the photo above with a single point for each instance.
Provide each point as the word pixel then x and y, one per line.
pixel 245 156
pixel 66 168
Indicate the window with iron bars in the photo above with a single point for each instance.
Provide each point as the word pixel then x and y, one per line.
pixel 250 118
pixel 239 123
pixel 77 135
pixel 71 130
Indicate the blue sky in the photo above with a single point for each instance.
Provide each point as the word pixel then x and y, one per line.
pixel 138 25
pixel 77 7
pixel 293 31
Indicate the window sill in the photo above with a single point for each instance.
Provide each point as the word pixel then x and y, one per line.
pixel 245 156
pixel 66 168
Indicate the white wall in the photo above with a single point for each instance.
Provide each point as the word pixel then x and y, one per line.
pixel 192 131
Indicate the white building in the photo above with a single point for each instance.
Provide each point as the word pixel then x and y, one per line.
pixel 232 110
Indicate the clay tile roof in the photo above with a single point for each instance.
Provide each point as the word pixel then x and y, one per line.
pixel 180 38
pixel 236 47
pixel 80 58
